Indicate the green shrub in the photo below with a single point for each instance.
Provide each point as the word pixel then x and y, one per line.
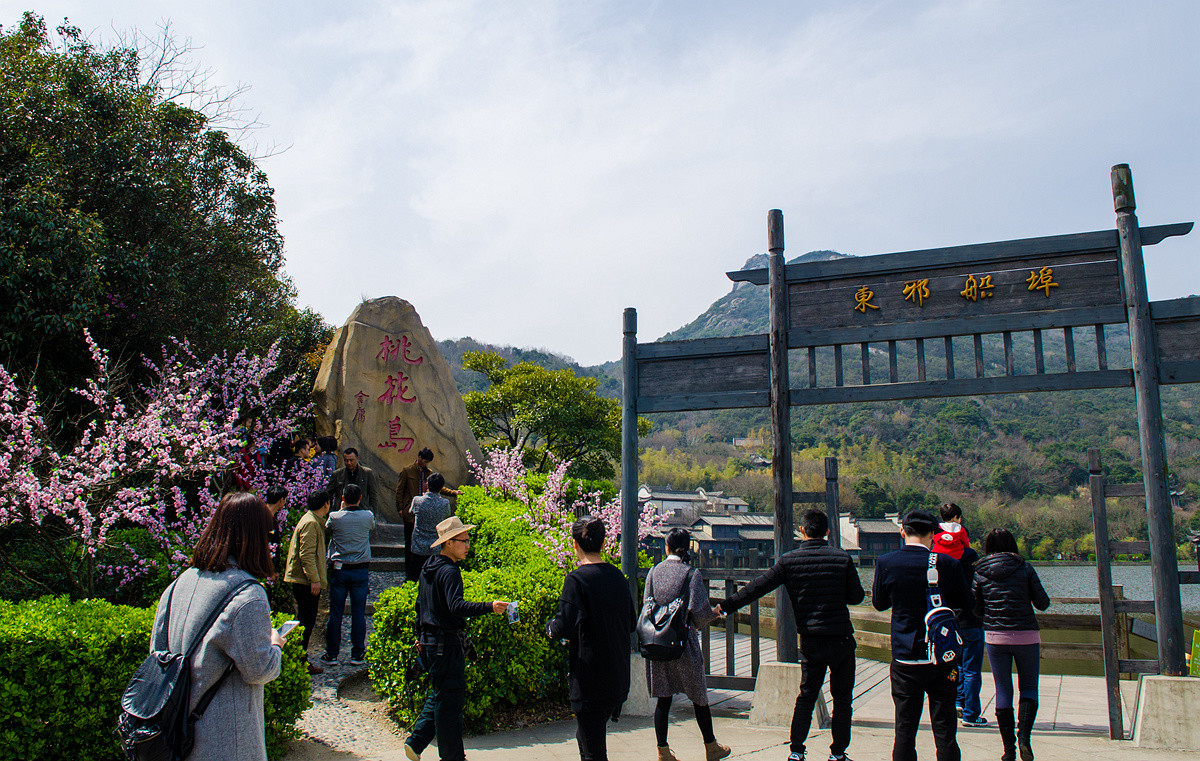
pixel 64 669
pixel 66 665
pixel 288 695
pixel 517 665
pixel 501 538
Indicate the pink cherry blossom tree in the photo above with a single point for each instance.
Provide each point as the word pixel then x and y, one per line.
pixel 158 459
pixel 550 513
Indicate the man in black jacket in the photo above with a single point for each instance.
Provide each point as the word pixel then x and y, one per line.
pixel 901 583
pixel 820 581
pixel 441 618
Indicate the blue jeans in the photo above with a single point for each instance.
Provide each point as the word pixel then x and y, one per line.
pixel 341 583
pixel 970 671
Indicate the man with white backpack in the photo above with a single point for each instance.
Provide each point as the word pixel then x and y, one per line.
pixel 920 587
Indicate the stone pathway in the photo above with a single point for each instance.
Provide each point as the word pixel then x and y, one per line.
pixel 344 715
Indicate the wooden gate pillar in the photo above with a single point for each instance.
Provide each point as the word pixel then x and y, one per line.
pixel 629 458
pixel 781 429
pixel 1164 565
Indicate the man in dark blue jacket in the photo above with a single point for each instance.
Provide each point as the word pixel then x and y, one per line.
pixel 901 584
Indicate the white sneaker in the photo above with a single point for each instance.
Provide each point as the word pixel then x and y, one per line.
pixel 412 754
pixel 357 662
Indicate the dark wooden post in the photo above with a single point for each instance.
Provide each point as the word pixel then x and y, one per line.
pixel 781 424
pixel 831 502
pixel 1164 566
pixel 629 445
pixel 1108 635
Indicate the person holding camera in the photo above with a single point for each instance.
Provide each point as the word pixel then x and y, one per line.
pixel 441 627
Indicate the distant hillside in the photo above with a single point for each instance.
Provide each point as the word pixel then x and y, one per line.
pixel 744 310
pixel 467 380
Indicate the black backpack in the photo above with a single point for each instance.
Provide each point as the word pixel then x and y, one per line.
pixel 662 629
pixel 942 638
pixel 154 724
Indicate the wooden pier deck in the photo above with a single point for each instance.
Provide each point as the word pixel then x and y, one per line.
pixel 1066 703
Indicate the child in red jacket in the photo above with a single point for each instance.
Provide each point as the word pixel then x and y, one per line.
pixel 951 537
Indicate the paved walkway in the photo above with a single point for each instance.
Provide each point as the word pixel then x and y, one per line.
pixel 347 723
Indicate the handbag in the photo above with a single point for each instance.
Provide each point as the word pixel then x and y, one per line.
pixel 662 629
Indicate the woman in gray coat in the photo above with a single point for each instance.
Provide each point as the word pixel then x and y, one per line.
pixel 665 583
pixel 232 549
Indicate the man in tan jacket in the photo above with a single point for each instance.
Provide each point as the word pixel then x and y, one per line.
pixel 306 565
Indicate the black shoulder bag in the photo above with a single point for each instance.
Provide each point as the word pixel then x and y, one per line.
pixel 662 629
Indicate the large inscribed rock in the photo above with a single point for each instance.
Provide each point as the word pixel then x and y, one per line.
pixel 385 389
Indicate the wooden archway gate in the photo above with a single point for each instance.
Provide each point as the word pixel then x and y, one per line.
pixel 930 298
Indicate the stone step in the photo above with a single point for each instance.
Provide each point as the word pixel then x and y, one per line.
pixel 387 549
pixel 388 533
pixel 387 564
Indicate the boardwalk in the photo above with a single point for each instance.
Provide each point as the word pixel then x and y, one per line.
pixel 1067 703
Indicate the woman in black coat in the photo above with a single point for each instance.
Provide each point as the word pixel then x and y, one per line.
pixel 1006 591
pixel 595 616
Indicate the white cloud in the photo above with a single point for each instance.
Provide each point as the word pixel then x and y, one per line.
pixel 523 171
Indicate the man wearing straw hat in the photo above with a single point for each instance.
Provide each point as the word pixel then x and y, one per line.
pixel 441 626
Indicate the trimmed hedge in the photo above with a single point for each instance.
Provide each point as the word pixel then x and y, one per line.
pixel 517 665
pixel 65 664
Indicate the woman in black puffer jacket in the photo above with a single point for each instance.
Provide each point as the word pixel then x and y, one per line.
pixel 1006 591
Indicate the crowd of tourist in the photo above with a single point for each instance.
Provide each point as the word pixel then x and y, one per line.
pixel 215 610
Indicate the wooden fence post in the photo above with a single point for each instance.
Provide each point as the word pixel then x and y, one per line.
pixel 1122 630
pixel 1108 636
pixel 831 502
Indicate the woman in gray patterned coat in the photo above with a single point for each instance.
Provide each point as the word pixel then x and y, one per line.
pixel 664 583
pixel 232 549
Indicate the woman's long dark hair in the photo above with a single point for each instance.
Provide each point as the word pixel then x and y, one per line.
pixel 239 529
pixel 679 542
pixel 1000 540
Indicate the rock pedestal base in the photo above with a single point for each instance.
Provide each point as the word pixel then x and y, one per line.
pixel 775 692
pixel 1166 713
pixel 639 702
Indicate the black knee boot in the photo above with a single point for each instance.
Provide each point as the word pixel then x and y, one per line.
pixel 1026 713
pixel 1008 733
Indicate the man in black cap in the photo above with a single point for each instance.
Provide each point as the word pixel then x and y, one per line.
pixel 901 583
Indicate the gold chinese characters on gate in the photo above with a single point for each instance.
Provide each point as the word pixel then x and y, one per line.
pixel 974 289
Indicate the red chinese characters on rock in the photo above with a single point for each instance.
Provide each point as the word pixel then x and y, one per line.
pixel 395 440
pixel 398 388
pixel 390 349
pixel 360 415
pixel 406 345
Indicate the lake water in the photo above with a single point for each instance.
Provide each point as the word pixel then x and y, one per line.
pixel 1080 581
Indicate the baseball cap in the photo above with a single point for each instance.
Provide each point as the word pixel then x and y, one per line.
pixel 922 521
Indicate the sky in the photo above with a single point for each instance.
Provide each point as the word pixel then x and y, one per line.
pixel 522 171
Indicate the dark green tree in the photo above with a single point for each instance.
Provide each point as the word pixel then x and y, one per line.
pixel 545 413
pixel 874 500
pixel 124 213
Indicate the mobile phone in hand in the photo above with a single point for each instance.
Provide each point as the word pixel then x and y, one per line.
pixel 287 626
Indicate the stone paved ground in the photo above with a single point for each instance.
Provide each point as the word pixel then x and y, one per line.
pixel 347 723
pixel 348 719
